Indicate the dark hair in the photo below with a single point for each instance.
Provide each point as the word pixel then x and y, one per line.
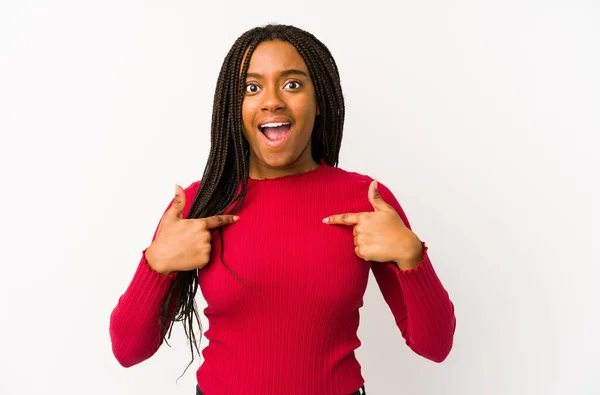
pixel 228 161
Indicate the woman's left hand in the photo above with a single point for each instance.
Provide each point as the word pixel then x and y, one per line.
pixel 381 235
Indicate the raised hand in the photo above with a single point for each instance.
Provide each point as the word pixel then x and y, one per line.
pixel 183 244
pixel 380 235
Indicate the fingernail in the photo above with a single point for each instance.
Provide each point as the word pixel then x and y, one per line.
pixel 236 218
pixel 325 220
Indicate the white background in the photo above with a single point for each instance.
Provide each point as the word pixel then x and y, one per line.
pixel 481 116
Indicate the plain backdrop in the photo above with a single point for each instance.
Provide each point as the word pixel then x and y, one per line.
pixel 481 116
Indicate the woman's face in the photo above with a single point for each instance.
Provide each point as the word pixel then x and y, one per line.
pixel 278 111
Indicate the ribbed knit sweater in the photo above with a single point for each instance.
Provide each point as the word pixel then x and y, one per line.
pixel 293 330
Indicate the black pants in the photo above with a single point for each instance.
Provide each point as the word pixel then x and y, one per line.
pixel 361 391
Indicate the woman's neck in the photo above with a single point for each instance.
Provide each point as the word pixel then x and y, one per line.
pixel 259 170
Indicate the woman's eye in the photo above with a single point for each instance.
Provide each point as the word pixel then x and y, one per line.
pixel 293 85
pixel 251 88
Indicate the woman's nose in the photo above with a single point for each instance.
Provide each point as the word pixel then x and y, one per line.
pixel 272 100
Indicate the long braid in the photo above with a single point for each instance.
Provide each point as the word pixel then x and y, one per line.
pixel 225 178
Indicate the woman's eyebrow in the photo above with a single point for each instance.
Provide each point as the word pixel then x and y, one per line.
pixel 284 73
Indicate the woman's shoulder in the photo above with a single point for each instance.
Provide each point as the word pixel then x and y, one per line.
pixel 346 175
pixel 352 180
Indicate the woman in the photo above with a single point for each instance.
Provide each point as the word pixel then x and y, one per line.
pixel 280 240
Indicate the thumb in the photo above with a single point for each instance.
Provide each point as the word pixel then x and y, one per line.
pixel 376 200
pixel 178 204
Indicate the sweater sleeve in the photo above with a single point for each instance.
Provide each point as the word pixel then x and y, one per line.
pixel 134 326
pixel 417 299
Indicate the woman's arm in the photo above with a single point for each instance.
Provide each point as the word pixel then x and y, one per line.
pixel 418 300
pixel 135 322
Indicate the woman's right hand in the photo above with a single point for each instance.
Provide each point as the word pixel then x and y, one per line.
pixel 183 244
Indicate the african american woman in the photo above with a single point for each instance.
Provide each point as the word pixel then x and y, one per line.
pixel 280 240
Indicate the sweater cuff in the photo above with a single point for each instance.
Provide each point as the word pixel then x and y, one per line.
pixel 421 281
pixel 398 271
pixel 423 272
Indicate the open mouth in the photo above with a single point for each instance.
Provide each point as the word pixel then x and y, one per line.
pixel 275 132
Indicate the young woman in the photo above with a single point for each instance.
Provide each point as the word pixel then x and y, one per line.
pixel 280 240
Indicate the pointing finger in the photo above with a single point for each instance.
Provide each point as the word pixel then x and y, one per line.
pixel 342 219
pixel 220 220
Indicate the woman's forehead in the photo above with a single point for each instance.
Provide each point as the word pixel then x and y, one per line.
pixel 275 56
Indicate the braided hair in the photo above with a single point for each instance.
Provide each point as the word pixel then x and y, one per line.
pixel 227 168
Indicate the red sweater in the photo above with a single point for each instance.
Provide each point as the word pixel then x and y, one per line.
pixel 294 331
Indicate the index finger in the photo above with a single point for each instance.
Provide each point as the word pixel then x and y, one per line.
pixel 342 219
pixel 220 220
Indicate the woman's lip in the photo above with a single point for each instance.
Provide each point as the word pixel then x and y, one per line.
pixel 277 143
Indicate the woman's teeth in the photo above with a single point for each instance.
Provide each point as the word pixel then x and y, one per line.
pixel 274 125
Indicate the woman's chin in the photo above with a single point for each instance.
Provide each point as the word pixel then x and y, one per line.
pixel 278 161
